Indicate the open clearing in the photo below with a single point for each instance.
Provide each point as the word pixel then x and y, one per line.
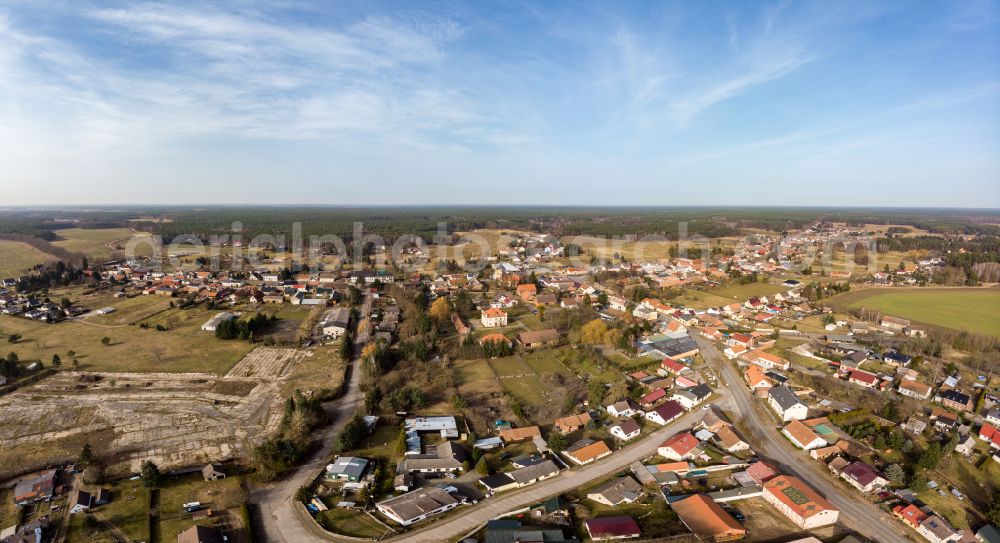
pixel 974 310
pixel 183 347
pixel 222 496
pixel 95 243
pixel 16 258
pixel 173 419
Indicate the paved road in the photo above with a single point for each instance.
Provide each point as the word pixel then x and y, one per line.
pixel 468 519
pixel 279 522
pixel 855 513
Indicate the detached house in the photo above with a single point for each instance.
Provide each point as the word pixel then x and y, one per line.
pixel 863 378
pixel 864 477
pixel 586 451
pixel 786 404
pixel 954 399
pixel 681 446
pixel 493 318
pixel 572 423
pixel 914 389
pixel 802 436
pixel 666 412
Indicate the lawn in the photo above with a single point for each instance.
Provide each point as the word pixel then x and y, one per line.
pixel 128 510
pixel 92 242
pixel 971 310
pixel 380 444
pixel 182 348
pixel 16 258
pixel 509 366
pixel 350 522
pixel 697 299
pixel 222 497
pixel 528 389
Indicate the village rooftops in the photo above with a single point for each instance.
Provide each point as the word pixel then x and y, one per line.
pixel 798 497
pixel 419 504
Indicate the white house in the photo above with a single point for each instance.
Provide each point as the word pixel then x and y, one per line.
pixel 626 430
pixel 786 404
pixel 624 408
pixel 802 436
pixel 494 317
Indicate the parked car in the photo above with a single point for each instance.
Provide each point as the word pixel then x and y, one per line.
pixel 957 494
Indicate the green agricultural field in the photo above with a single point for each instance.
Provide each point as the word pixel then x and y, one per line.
pixel 183 347
pixel 970 310
pixel 95 243
pixel 16 258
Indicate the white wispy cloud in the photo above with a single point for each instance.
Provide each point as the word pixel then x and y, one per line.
pixel 238 75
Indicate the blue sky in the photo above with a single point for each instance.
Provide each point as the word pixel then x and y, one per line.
pixel 660 103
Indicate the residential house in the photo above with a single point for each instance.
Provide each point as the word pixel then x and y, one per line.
pixel 864 477
pixel 626 430
pixel 692 396
pixel 757 380
pixel 910 514
pixel 897 359
pixel 802 436
pixel 586 451
pixel 419 504
pixel 937 530
pixel 767 360
pixel 786 404
pixel 682 446
pixel 527 291
pixel 527 475
pixel 990 434
pixel 79 501
pixel 954 399
pixel 673 367
pixel 800 503
pixel 914 389
pixel 612 528
pixel 514 435
pixel 707 520
pixel 665 412
pixel 863 378
pixel 572 423
pixel 617 491
pixel 651 399
pixel 727 439
pixel 493 318
pixel 623 408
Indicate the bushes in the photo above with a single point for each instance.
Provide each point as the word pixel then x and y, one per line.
pixel 243 329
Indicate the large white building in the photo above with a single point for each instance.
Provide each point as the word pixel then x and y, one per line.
pixel 786 404
pixel 801 504
pixel 421 504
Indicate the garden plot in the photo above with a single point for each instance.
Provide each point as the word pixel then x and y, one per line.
pixel 172 419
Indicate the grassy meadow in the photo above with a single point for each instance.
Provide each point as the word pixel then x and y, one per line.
pixel 968 309
pixel 16 258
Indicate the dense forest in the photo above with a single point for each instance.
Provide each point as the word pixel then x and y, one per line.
pixel 393 222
